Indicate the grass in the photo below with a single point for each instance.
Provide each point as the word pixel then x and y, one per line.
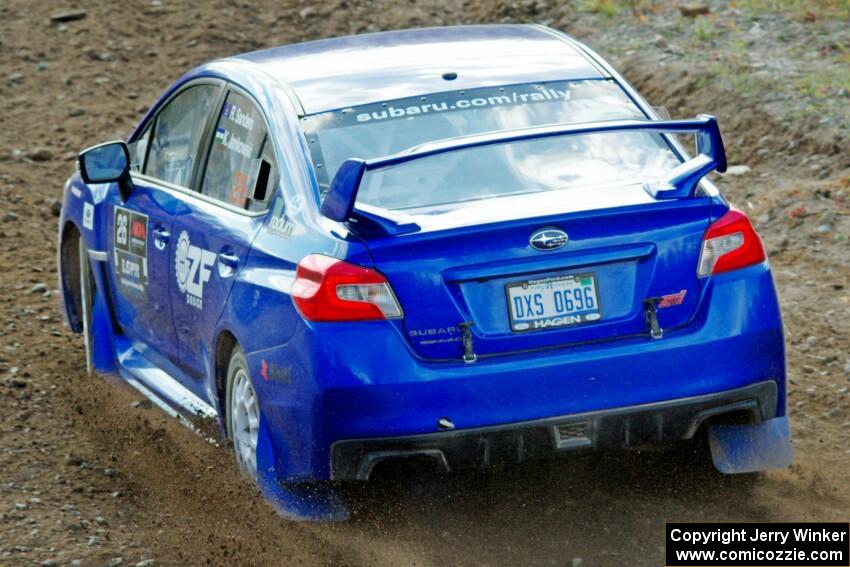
pixel 608 8
pixel 704 29
pixel 611 8
pixel 824 83
pixel 735 71
pixel 804 9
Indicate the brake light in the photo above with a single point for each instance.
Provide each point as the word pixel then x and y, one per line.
pixel 730 243
pixel 328 289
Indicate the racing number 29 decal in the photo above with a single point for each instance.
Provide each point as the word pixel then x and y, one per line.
pixel 131 249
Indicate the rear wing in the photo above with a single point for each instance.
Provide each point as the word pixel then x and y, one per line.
pixel 682 181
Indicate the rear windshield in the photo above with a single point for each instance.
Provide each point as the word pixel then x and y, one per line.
pixel 549 164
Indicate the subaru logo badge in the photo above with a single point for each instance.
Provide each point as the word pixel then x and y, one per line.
pixel 548 239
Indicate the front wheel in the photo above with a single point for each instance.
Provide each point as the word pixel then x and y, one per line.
pixel 243 413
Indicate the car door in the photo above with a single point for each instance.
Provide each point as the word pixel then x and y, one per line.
pixel 164 156
pixel 213 234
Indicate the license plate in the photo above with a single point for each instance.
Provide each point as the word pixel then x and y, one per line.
pixel 549 303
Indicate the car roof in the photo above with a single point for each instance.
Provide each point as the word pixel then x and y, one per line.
pixel 348 71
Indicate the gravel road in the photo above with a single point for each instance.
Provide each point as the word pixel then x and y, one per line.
pixel 90 475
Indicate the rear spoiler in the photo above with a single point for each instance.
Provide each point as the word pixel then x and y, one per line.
pixel 682 181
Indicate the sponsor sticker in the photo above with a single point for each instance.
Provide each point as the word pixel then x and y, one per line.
pixel 296 204
pixel 239 191
pixel 88 216
pixel 279 224
pixel 514 96
pixel 130 247
pixel 271 372
pixel 193 266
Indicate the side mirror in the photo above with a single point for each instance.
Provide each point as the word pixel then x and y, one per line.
pixel 107 163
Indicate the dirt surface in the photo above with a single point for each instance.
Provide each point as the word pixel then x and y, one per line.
pixel 90 476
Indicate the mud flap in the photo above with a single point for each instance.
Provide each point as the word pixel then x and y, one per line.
pixel 86 302
pixel 751 448
pixel 101 336
pixel 97 329
pixel 315 502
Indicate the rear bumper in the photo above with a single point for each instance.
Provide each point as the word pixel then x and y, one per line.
pixel 616 428
pixel 337 382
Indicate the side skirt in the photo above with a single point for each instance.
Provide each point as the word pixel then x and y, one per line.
pixel 321 502
pixel 163 390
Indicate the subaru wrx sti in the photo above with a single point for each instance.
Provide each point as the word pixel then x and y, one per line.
pixel 467 245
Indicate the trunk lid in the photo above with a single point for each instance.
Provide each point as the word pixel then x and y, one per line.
pixel 446 275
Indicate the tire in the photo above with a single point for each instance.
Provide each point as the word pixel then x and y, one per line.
pixel 73 250
pixel 243 413
pixel 78 279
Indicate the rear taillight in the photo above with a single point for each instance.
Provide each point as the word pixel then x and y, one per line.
pixel 730 243
pixel 328 289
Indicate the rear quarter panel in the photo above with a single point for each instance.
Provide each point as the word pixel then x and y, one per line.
pixel 259 311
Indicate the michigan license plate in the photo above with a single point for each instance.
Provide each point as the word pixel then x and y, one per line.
pixel 549 303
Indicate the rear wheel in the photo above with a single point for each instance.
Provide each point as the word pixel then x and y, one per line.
pixel 243 413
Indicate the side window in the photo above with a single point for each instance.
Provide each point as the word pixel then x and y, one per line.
pixel 234 164
pixel 177 134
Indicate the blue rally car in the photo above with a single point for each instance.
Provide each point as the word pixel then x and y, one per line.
pixel 467 245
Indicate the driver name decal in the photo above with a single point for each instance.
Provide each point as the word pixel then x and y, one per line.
pixel 194 268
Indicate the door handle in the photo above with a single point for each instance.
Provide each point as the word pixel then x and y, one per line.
pixel 160 237
pixel 227 264
pixel 228 259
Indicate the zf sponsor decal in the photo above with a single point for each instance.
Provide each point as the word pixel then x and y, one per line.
pixel 88 216
pixel 130 248
pixel 193 265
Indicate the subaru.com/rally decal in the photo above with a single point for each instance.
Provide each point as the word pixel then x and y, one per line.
pixel 193 265
pixel 131 249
